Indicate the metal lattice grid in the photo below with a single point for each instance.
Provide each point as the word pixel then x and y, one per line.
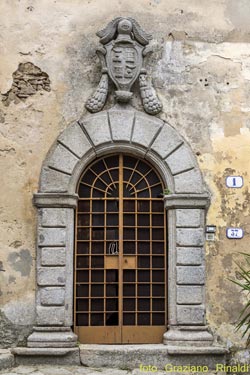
pixel 120 256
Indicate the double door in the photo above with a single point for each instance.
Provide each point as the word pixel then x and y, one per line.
pixel 120 255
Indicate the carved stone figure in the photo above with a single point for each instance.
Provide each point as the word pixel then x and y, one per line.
pixel 122 59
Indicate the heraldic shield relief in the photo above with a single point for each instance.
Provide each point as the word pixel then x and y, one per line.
pixel 122 58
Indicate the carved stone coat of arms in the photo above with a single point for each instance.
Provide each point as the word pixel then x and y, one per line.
pixel 125 45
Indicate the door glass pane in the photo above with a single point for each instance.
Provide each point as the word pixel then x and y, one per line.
pixel 82 320
pixel 83 261
pixel 128 304
pixel 128 206
pixel 129 290
pixel 143 276
pixel 129 275
pixel 143 206
pixel 143 248
pixel 129 220
pixel 97 319
pixel 97 304
pixel 112 219
pixel 83 206
pixel 112 319
pixel 128 319
pixel 144 220
pixel 143 304
pixel 143 319
pixel 98 220
pixel 112 304
pixel 143 290
pixel 144 262
pixel 82 305
pixel 129 247
pixel 97 290
pixel 158 319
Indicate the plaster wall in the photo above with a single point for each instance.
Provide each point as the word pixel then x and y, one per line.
pixel 201 71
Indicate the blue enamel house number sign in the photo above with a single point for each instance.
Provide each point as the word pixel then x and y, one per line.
pixel 234 181
pixel 235 233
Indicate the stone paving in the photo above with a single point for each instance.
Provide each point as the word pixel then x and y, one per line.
pixel 80 370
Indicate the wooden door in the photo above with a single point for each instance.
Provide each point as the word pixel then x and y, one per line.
pixel 121 254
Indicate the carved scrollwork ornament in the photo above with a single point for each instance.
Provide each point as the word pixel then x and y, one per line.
pixel 125 44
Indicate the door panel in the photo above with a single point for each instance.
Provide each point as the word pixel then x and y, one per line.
pixel 120 256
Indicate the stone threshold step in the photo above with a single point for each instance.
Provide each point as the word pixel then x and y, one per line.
pixel 132 356
pixel 50 356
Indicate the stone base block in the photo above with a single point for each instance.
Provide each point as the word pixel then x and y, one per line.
pixel 159 355
pixel 7 359
pixel 54 338
pixel 188 336
pixel 48 356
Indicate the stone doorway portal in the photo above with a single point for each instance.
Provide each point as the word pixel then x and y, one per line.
pixel 120 131
pixel 121 253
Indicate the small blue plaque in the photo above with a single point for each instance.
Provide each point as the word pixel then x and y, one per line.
pixel 235 233
pixel 234 181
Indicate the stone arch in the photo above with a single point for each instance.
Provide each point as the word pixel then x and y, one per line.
pixel 149 137
pixel 126 130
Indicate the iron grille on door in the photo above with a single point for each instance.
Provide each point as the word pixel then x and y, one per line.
pixel 120 256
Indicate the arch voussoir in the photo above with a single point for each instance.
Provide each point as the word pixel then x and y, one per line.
pixel 146 129
pixel 97 128
pixel 121 124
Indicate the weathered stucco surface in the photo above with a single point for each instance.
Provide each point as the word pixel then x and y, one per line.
pixel 201 72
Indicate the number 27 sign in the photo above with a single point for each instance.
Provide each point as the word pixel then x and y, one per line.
pixel 235 233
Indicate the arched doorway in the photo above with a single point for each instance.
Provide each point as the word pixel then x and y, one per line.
pixel 121 253
pixel 120 130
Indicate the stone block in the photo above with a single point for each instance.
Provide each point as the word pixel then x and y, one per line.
pixel 187 217
pixel 49 356
pixel 189 182
pixel 54 276
pixel 52 296
pixel 53 181
pixel 190 295
pixel 51 236
pixel 52 337
pixel 190 255
pixel 7 359
pixel 130 356
pixel 190 314
pixel 97 127
pixel 53 256
pixel 180 160
pixel 50 316
pixel 145 129
pixel 62 159
pixel 74 138
pixel 190 275
pixel 189 237
pixel 167 141
pixel 52 217
pixel 117 120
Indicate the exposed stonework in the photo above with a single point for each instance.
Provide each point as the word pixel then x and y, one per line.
pixel 13 334
pixel 27 80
